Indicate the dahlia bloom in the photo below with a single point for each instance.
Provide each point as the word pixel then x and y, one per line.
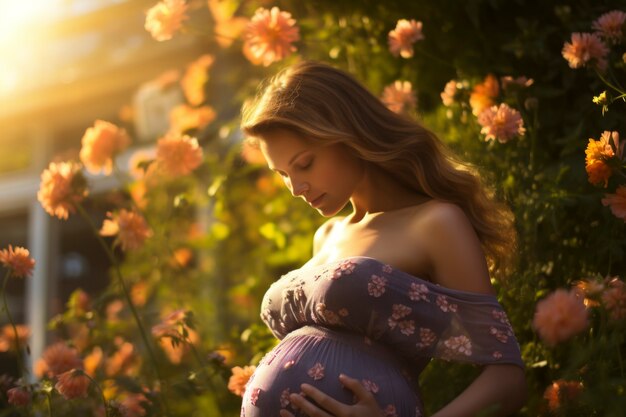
pixel 502 123
pixel 598 155
pixel 129 226
pixel 195 77
pixel 73 384
pixel 57 359
pixel 100 144
pixel 183 117
pixel 399 97
pixel 617 202
pixel 62 187
pixel 17 261
pixel 614 298
pixel 269 36
pixel 178 154
pixel 610 26
pixel 560 392
pixel 7 337
pixel 484 94
pixel 165 18
pixel 402 38
pixel 239 379
pixel 18 396
pixel 584 49
pixel 560 316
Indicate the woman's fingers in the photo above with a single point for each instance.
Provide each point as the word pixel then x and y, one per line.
pixel 357 388
pixel 309 409
pixel 285 413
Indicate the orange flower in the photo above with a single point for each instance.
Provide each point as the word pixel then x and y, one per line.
pixel 7 337
pixel 239 379
pixel 183 117
pixel 598 156
pixel 178 155
pixel 58 358
pixel 560 316
pixel 93 360
pixel 402 38
pixel 449 93
pixel 100 144
pixel 614 298
pixel 17 261
pixel 269 36
pixel 165 18
pixel 123 361
pixel 585 48
pixel 502 123
pixel 18 396
pixel 62 187
pixel 484 94
pixel 560 392
pixel 129 226
pixel 399 97
pixel 196 76
pixel 182 256
pixel 590 288
pixel 610 26
pixel 73 384
pixel 617 202
pixel 139 293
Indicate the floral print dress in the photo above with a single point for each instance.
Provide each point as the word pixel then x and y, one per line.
pixel 363 318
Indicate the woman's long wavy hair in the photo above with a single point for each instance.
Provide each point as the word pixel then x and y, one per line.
pixel 329 106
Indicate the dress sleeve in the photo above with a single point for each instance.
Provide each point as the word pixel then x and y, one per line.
pixel 422 320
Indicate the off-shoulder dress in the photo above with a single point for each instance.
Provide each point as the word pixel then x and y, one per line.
pixel 370 321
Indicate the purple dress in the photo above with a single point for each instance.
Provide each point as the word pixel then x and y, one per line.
pixel 363 318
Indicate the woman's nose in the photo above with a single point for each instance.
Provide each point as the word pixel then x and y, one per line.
pixel 299 188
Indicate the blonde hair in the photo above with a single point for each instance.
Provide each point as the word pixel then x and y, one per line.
pixel 329 106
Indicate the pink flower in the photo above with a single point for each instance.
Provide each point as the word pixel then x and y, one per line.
pixel 610 25
pixel 407 327
pixel 560 316
pixel 445 305
pixel 62 187
pixel 8 340
pixel 18 261
pixel 402 38
pixel 178 154
pixel 370 386
pixel 376 286
pixel 427 338
pixel 585 48
pixel 399 311
pixel 284 398
pixel 129 226
pixel 399 97
pixel 73 384
pixel 100 144
pixel 57 359
pixel 131 405
pixel 165 18
pixel 269 36
pixel 459 344
pixel 18 396
pixel 617 202
pixel 316 372
pixel 449 93
pixel 418 292
pixel 502 123
pixel 390 411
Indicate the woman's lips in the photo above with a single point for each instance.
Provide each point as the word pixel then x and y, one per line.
pixel 317 201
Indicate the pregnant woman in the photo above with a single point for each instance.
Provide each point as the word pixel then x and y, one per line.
pixel 403 278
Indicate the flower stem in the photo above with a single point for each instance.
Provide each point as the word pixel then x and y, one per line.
pixel 129 300
pixel 104 401
pixel 49 397
pixel 20 359
pixel 605 81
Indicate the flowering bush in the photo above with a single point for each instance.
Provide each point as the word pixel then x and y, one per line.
pixel 532 96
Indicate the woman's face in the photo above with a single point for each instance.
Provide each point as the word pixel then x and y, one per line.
pixel 324 176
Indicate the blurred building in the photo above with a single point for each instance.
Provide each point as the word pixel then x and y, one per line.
pixel 64 64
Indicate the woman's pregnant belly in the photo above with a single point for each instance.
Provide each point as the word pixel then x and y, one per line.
pixel 317 355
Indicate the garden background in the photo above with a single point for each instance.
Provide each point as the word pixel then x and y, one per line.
pixel 162 231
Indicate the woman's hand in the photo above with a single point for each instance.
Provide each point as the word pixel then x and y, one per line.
pixel 366 405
